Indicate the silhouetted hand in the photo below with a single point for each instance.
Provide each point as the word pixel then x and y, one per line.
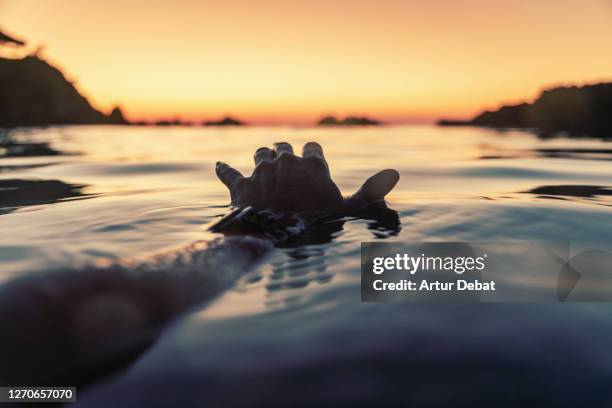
pixel 283 182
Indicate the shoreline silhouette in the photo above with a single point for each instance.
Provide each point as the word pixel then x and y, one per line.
pixel 577 110
pixel 35 93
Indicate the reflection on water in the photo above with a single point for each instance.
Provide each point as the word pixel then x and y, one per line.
pixel 572 191
pixel 22 193
pixel 153 190
pixel 9 147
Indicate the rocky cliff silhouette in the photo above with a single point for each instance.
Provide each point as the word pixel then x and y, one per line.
pixel 578 110
pixel 34 93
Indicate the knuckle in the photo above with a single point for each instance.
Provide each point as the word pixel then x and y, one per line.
pixel 241 183
pixel 287 158
pixel 263 152
pixel 282 147
pixel 315 162
pixel 264 169
pixel 313 145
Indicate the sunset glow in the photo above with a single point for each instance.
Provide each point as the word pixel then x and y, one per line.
pixel 293 61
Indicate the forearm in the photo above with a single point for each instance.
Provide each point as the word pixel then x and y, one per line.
pixel 95 317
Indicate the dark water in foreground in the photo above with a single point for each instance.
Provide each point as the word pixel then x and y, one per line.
pixel 292 329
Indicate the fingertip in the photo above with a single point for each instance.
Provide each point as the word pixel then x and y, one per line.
pixel 283 147
pixel 391 175
pixel 263 154
pixel 312 148
pixel 221 168
pixel 312 145
pixel 227 174
pixel 377 187
pixel 385 181
pixel 218 169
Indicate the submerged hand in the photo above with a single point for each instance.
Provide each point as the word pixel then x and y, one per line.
pixel 283 182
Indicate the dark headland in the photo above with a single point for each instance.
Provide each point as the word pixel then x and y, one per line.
pixel 227 121
pixel 574 109
pixel 34 93
pixel 348 121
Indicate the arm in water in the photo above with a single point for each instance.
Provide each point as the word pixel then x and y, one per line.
pixel 78 324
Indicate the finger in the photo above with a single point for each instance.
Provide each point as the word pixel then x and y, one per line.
pixel 265 172
pixel 313 149
pixel 263 154
pixel 282 147
pixel 374 189
pixel 313 155
pixel 228 175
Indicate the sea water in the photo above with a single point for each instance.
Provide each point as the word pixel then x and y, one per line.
pixel 295 321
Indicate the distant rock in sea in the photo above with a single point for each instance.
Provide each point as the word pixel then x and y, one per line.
pixel 227 121
pixel 349 121
pixel 173 122
pixel 586 109
pixel 34 93
pixel 454 122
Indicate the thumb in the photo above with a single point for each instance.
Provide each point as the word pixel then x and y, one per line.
pixel 374 189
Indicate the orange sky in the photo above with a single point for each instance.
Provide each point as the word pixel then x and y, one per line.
pixel 283 61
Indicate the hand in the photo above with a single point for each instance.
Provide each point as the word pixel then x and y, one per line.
pixel 283 182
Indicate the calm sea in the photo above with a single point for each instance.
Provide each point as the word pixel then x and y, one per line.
pixel 294 321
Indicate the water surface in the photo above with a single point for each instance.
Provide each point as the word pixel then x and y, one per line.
pixel 129 193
